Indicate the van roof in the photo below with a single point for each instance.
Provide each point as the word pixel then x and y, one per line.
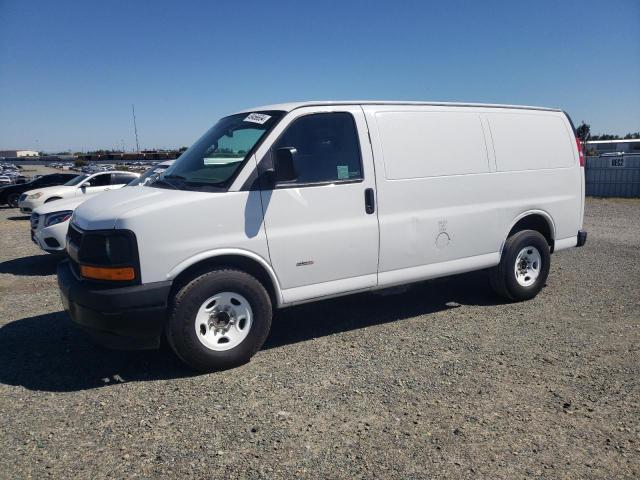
pixel 287 107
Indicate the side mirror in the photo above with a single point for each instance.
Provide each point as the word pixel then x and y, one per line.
pixel 85 185
pixel 284 165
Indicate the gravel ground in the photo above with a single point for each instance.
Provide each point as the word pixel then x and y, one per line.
pixel 399 386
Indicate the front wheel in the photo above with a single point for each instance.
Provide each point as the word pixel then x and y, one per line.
pixel 219 320
pixel 524 266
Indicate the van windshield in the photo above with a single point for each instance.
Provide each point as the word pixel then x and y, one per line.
pixel 212 162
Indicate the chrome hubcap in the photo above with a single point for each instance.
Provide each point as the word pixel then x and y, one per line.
pixel 528 266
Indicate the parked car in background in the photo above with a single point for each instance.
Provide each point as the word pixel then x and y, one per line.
pixel 5 180
pixel 299 202
pixel 50 222
pixel 10 195
pixel 80 186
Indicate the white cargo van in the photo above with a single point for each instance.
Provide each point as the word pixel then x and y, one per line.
pixel 298 202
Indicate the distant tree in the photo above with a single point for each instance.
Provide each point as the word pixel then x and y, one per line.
pixel 182 149
pixel 583 131
pixel 80 163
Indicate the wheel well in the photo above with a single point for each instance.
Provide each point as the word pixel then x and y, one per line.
pixel 534 222
pixel 245 264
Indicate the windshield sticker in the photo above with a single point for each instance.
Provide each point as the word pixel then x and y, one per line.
pixel 257 118
pixel 343 172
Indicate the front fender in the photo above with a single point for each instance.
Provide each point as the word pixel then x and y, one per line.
pixel 209 254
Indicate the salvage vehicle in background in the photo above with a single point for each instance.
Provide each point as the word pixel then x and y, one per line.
pixel 299 202
pixel 79 186
pixel 10 194
pixel 50 222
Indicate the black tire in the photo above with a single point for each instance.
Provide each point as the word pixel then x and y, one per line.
pixel 181 332
pixel 503 277
pixel 12 200
pixel 52 199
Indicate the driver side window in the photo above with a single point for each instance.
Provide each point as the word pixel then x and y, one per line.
pixel 327 148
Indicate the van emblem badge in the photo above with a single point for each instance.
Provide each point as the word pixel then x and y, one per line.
pixel 304 263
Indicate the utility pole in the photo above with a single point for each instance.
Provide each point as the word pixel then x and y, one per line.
pixel 135 127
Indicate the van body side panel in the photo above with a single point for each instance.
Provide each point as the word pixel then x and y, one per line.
pixel 434 185
pixel 424 144
pixel 539 148
pixel 530 140
pixel 433 213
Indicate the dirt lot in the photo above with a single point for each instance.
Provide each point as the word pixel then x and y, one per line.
pixel 367 386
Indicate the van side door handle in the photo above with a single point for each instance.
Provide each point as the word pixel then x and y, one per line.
pixel 369 201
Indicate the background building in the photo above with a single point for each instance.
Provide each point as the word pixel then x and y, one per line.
pixel 18 153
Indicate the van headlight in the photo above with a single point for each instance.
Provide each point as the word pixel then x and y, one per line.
pixel 35 195
pixel 57 217
pixel 109 255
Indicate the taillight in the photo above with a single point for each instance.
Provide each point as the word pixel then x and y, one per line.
pixel 580 152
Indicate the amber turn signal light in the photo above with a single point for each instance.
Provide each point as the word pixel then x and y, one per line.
pixel 108 273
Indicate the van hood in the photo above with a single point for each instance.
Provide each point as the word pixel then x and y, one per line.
pixel 119 207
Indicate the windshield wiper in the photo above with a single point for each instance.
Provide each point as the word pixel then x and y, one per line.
pixel 177 177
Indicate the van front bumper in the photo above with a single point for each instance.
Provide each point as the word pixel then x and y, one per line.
pixel 128 318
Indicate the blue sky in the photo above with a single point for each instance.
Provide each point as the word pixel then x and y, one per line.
pixel 69 71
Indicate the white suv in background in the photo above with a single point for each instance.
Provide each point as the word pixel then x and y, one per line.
pixel 50 222
pixel 80 186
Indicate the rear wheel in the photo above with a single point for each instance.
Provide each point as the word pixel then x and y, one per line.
pixel 219 320
pixel 12 200
pixel 524 266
